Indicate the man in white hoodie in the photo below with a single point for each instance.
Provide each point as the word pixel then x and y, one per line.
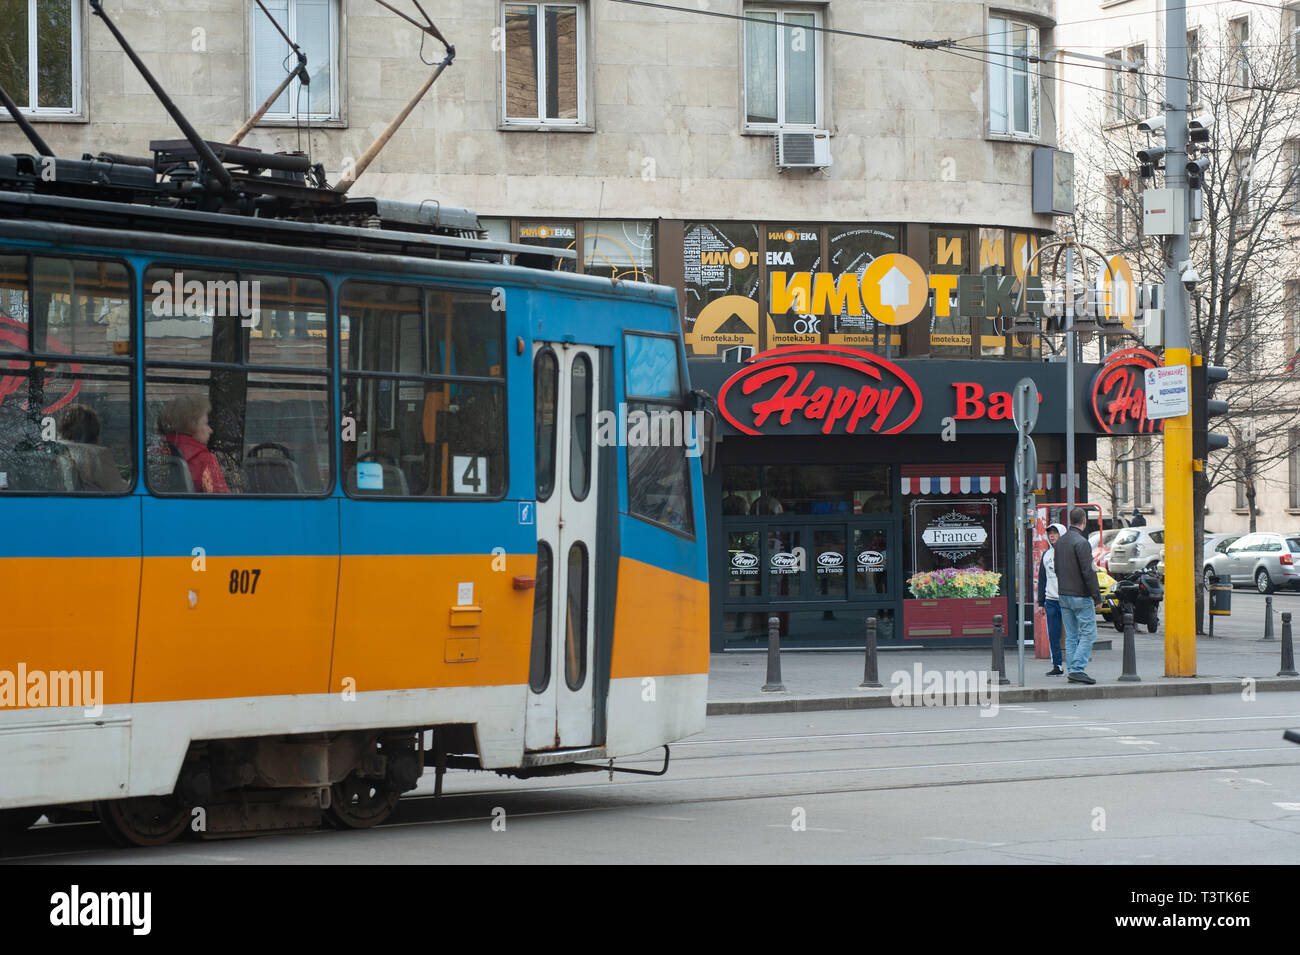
pixel 1049 598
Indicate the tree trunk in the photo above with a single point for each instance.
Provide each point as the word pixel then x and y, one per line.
pixel 1250 500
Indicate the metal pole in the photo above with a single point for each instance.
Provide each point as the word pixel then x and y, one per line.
pixel 871 669
pixel 1020 580
pixel 1130 674
pixel 1268 619
pixel 1288 655
pixel 1069 383
pixel 1180 612
pixel 998 664
pixel 773 684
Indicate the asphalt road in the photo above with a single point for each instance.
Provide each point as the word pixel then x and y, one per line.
pixel 1190 780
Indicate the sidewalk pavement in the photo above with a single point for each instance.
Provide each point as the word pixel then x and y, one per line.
pixel 828 680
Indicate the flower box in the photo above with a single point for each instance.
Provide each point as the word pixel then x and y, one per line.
pixel 948 618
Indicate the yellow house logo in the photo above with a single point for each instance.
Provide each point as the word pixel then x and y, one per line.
pixel 737 258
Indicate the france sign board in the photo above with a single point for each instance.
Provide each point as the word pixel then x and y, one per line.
pixel 1168 391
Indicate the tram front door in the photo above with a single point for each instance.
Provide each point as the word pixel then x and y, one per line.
pixel 561 698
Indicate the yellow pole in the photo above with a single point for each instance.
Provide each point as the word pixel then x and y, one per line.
pixel 1180 569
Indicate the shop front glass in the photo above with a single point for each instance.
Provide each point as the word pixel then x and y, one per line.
pixel 814 546
pixel 955 579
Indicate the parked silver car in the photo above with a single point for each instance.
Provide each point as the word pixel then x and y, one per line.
pixel 1266 560
pixel 1135 548
pixel 1214 543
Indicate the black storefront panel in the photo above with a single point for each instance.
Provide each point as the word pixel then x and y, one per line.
pixel 823 516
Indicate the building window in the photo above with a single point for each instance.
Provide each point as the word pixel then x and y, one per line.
pixel 1293 470
pixel 1142 472
pixel 1243 164
pixel 783 55
pixel 1290 305
pixel 1193 67
pixel 1138 80
pixel 1241 49
pixel 1118 216
pixel 1121 482
pixel 40 65
pixel 313 24
pixel 1115 97
pixel 1291 205
pixel 1244 345
pixel 1013 86
pixel 543 65
pixel 1291 20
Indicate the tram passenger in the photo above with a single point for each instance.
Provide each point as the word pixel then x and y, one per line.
pixel 183 421
pixel 94 464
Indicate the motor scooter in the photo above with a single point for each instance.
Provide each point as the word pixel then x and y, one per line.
pixel 1139 593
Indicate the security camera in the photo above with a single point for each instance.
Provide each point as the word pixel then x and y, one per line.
pixel 1152 125
pixel 1190 277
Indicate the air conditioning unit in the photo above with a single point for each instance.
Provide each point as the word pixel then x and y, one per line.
pixel 810 149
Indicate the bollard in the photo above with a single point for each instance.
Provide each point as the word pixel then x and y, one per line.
pixel 871 669
pixel 998 664
pixel 773 684
pixel 1268 619
pixel 1130 674
pixel 1288 656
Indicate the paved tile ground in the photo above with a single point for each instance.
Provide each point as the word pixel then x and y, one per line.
pixel 815 680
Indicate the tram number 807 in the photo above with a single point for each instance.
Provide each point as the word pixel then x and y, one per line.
pixel 244 581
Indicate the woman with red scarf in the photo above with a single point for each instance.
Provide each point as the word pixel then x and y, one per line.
pixel 184 423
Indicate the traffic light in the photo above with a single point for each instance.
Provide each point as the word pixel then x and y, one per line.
pixel 1204 408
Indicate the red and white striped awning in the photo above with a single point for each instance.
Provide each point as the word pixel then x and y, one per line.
pixel 976 483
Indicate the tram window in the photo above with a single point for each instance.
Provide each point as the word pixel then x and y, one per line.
pixel 659 478
pixel 65 425
pixel 652 367
pixel 580 428
pixel 237 387
pixel 423 380
pixel 545 382
pixel 539 662
pixel 575 627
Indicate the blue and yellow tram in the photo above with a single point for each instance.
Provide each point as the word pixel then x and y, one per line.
pixel 290 511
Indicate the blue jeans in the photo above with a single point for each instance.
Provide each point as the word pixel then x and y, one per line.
pixel 1053 610
pixel 1079 615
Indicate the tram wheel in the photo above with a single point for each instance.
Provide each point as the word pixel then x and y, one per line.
pixel 359 803
pixel 143 820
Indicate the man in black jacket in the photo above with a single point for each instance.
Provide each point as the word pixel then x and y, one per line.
pixel 1080 596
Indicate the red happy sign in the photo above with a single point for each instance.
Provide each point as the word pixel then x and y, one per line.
pixel 1119 393
pixel 783 381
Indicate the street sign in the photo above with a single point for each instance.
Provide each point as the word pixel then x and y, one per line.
pixel 1024 404
pixel 1168 391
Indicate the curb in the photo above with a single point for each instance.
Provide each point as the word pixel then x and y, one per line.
pixel 1055 694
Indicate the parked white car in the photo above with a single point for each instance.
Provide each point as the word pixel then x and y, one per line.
pixel 1136 548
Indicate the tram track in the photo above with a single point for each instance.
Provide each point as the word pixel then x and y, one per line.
pixel 829 763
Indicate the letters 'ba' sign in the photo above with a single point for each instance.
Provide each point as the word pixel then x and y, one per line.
pixel 843 390
pixel 1119 401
